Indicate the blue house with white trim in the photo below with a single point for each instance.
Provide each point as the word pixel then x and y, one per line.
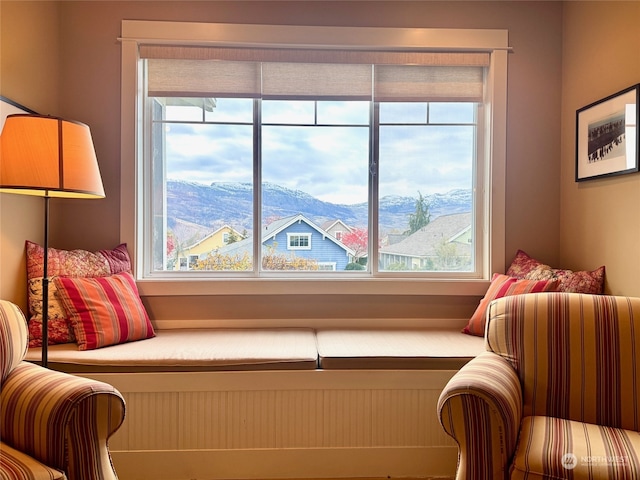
pixel 298 236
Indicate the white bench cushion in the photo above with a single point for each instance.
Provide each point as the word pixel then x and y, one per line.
pixel 193 349
pixel 273 349
pixel 440 349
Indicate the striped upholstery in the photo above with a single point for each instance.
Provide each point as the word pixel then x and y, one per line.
pixel 13 338
pixel 15 465
pixel 575 359
pixel 550 447
pixel 577 355
pixel 481 408
pixel 60 420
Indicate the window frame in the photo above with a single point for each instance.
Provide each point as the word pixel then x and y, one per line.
pixel 299 236
pixel 490 189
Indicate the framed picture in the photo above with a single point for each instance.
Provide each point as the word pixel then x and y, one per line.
pixel 607 136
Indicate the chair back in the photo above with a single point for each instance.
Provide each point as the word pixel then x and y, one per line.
pixel 14 338
pixel 577 355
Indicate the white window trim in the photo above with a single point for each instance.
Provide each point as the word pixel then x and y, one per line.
pixel 333 266
pixel 301 235
pixel 135 32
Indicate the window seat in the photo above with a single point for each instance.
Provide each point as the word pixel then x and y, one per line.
pixel 175 350
pixel 279 402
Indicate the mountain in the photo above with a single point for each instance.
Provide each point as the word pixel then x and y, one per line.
pixel 215 205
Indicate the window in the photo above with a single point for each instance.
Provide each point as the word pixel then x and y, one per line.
pixel 279 143
pixel 299 241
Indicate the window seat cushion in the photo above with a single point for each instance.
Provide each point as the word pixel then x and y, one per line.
pixel 193 350
pixel 434 349
pixel 273 349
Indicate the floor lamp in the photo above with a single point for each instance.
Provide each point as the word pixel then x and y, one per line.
pixel 52 158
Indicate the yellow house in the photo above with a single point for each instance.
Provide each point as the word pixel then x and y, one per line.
pixel 188 256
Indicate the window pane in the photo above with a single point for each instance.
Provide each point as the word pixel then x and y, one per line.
pixel 344 113
pixel 313 176
pixel 403 112
pixel 451 113
pixel 288 112
pixel 230 110
pixel 426 180
pixel 205 208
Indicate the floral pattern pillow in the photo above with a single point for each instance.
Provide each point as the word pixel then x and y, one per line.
pixel 66 263
pixel 528 268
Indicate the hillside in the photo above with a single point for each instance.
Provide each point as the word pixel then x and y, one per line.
pixel 214 205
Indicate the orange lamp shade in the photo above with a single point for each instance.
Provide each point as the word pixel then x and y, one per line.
pixel 49 157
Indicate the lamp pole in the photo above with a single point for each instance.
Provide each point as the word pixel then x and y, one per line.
pixel 45 286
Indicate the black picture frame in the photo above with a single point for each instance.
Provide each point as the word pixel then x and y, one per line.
pixel 607 136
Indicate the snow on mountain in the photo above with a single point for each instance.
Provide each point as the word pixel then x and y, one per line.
pixel 215 205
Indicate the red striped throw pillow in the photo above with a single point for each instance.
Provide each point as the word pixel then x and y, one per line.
pixel 104 310
pixel 503 286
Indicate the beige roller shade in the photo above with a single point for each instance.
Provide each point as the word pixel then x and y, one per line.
pixel 200 71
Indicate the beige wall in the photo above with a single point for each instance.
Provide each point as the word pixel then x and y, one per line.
pixel 601 217
pixel 28 76
pixel 89 91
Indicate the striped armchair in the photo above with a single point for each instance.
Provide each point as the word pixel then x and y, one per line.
pixel 52 425
pixel 555 396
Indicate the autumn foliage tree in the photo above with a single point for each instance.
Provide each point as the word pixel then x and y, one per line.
pixel 243 262
pixel 358 241
pixel 221 262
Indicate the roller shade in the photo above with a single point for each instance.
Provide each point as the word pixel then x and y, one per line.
pixel 318 80
pixel 202 78
pixel 418 83
pixel 185 71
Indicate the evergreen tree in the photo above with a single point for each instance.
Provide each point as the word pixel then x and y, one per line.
pixel 232 238
pixel 421 217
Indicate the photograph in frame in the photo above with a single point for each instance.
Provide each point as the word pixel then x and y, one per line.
pixel 607 136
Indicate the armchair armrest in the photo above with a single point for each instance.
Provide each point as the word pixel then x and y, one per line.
pixel 481 408
pixel 61 420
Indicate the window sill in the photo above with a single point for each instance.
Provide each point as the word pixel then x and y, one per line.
pixel 289 286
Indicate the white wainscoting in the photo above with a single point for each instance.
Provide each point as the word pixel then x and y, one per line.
pixel 281 425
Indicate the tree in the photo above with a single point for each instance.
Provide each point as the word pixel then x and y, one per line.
pixel 171 244
pixel 243 262
pixel 358 241
pixel 447 255
pixel 217 261
pixel 421 217
pixel 232 238
pixel 272 260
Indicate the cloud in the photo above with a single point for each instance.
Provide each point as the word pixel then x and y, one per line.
pixel 439 158
pixel 328 162
pixel 210 153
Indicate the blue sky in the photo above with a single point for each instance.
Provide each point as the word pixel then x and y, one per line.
pixel 329 162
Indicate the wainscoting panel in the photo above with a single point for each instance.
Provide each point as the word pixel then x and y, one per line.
pixel 281 424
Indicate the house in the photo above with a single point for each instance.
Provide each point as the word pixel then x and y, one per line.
pixel 425 249
pixel 299 236
pixel 219 238
pixel 295 236
pixel 337 228
pixel 64 58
